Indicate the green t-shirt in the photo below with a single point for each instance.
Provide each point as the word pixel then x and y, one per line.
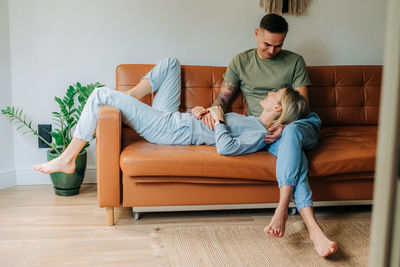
pixel 256 77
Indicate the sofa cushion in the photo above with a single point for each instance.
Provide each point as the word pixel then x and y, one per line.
pixel 145 159
pixel 341 150
pixel 344 149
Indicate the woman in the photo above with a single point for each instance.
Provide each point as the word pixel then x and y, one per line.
pixel 162 123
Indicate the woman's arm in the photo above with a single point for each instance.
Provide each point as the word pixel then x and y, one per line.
pixel 226 144
pixel 246 143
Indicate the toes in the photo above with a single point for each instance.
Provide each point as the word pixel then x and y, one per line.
pixel 41 169
pixel 38 167
pixel 328 251
pixel 281 233
pixel 268 230
pixel 271 232
pixel 274 231
pixel 334 247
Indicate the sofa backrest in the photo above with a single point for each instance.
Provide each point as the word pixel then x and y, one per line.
pixel 345 95
pixel 340 95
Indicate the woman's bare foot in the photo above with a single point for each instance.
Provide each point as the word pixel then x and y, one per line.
pixel 56 165
pixel 278 223
pixel 322 244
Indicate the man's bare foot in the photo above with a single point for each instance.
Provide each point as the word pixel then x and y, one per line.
pixel 278 223
pixel 322 244
pixel 56 165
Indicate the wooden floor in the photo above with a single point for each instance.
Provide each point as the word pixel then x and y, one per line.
pixel 38 228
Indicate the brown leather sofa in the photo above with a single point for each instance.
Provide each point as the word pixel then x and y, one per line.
pixel 134 173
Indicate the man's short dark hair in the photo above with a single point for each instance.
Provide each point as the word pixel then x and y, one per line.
pixel 274 23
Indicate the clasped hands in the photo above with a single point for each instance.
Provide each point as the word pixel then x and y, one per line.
pixel 212 115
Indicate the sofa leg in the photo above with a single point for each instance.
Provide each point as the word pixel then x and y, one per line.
pixel 292 211
pixel 109 216
pixel 137 215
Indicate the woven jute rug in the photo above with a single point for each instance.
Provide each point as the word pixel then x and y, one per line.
pixel 247 245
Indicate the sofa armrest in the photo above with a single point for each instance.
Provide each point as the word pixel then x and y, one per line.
pixel 108 150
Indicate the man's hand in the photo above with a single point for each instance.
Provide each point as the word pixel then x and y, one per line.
pixel 198 112
pixel 274 133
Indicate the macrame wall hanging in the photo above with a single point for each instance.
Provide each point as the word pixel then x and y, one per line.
pixel 292 7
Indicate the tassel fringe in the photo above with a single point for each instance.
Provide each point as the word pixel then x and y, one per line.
pixel 295 7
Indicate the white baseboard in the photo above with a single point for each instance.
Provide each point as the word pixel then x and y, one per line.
pixel 8 178
pixel 32 177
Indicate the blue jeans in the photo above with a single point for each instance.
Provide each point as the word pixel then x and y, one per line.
pixel 292 164
pixel 161 123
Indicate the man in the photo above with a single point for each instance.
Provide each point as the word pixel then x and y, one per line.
pixel 265 69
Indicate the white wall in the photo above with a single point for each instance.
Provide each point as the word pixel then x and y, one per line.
pixel 7 167
pixel 56 43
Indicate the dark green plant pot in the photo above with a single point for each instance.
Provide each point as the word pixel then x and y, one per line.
pixel 68 184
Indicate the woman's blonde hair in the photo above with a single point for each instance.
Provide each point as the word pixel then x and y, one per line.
pixel 294 107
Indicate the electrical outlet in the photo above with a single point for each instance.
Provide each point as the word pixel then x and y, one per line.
pixel 44 132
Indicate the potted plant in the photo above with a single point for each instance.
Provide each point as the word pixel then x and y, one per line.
pixel 67 117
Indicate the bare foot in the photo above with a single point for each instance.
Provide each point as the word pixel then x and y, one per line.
pixel 56 165
pixel 278 223
pixel 322 244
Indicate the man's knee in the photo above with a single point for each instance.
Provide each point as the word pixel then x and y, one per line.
pixel 305 133
pixel 292 130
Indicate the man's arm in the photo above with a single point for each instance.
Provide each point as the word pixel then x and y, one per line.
pixel 226 94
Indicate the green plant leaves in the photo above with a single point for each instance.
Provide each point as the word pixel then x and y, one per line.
pixel 67 117
pixel 69 114
pixel 15 116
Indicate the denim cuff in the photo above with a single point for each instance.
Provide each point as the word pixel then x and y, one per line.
pixel 286 182
pixel 87 139
pixel 303 204
pixel 153 85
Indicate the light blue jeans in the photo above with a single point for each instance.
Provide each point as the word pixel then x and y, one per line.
pixel 161 123
pixel 292 163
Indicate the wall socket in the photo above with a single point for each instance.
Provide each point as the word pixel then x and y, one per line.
pixel 44 132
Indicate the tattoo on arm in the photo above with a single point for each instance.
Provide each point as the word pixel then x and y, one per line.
pixel 228 89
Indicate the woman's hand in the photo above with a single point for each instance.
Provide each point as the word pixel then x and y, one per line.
pixel 217 113
pixel 198 112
